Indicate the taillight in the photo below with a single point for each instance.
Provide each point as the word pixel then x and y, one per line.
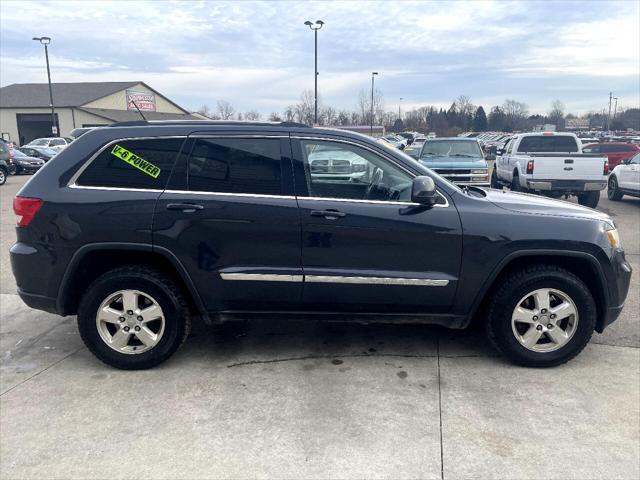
pixel 605 171
pixel 530 166
pixel 26 209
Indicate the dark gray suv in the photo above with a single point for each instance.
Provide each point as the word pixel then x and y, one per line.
pixel 139 227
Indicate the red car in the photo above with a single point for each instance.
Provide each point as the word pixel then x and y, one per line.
pixel 616 152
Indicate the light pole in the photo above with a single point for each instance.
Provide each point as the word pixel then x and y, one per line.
pixel 615 109
pixel 373 76
pixel 399 114
pixel 315 27
pixel 46 41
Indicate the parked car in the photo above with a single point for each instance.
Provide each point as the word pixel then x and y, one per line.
pixel 54 143
pixel 43 153
pixel 458 159
pixel 239 227
pixel 551 163
pixel 4 159
pixel 625 179
pixel 26 164
pixel 616 152
pixel 413 150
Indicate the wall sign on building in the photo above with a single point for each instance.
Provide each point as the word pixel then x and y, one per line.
pixel 145 101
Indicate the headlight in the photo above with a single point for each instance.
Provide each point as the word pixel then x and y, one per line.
pixel 358 167
pixel 612 235
pixel 481 172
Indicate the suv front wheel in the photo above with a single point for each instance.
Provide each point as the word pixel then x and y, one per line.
pixel 133 318
pixel 541 316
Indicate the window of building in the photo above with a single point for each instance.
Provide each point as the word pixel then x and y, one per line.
pixel 143 164
pixel 236 165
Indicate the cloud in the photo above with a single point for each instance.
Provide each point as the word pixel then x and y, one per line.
pixel 260 55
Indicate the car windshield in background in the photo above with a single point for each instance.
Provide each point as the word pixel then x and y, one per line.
pixel 17 153
pixel 453 149
pixel 39 142
pixel 548 144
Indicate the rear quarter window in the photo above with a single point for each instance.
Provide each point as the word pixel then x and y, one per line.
pixel 144 164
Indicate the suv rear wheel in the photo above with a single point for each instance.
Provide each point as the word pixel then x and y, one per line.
pixel 541 316
pixel 133 318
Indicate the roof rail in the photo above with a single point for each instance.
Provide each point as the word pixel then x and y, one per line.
pixel 141 123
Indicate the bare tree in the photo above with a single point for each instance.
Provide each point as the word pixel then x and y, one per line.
pixel 205 111
pixel 364 106
pixel 275 117
pixel 515 112
pixel 252 115
pixel 225 110
pixel 328 116
pixel 556 114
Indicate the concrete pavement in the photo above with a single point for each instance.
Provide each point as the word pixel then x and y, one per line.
pixel 311 400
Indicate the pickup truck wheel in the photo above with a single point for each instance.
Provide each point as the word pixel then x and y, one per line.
pixel 589 199
pixel 541 316
pixel 515 183
pixel 133 318
pixel 613 193
pixel 494 179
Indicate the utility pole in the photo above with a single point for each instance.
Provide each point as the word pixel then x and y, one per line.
pixel 46 41
pixel 399 114
pixel 609 116
pixel 373 76
pixel 318 25
pixel 615 109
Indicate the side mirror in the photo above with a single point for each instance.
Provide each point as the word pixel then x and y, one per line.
pixel 500 151
pixel 423 191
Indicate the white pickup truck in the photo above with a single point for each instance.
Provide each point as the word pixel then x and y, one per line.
pixel 552 164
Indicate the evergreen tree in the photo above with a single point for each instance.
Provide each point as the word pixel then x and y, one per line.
pixel 480 120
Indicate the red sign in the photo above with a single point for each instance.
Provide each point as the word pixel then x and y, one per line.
pixel 145 102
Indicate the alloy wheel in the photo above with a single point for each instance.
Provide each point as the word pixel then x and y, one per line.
pixel 544 320
pixel 130 321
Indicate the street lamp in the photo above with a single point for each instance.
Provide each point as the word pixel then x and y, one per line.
pixel 399 114
pixel 46 41
pixel 373 76
pixel 315 27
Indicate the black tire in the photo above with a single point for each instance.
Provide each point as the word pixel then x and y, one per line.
pixel 512 288
pixel 589 199
pixel 3 175
pixel 515 182
pixel 494 179
pixel 613 192
pixel 150 282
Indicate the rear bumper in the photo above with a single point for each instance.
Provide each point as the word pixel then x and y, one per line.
pixel 567 186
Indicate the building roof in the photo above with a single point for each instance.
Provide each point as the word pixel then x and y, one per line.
pixel 129 115
pixel 34 95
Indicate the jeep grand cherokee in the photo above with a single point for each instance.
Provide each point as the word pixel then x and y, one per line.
pixel 139 227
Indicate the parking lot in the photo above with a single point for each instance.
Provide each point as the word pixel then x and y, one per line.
pixel 316 400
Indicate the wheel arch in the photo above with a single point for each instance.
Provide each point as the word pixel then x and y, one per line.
pixel 104 256
pixel 584 265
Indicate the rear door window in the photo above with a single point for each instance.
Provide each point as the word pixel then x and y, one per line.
pixel 144 164
pixel 548 144
pixel 236 165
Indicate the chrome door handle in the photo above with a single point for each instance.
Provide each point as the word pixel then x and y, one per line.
pixel 185 207
pixel 328 214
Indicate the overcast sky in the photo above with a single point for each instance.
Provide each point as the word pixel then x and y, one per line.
pixel 260 55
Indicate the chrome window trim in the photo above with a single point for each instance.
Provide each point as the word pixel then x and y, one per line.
pixel 72 182
pixel 231 135
pixel 116 189
pixel 262 277
pixel 396 164
pixel 230 194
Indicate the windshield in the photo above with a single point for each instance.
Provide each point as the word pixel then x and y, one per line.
pixel 451 148
pixel 423 167
pixel 39 141
pixel 18 153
